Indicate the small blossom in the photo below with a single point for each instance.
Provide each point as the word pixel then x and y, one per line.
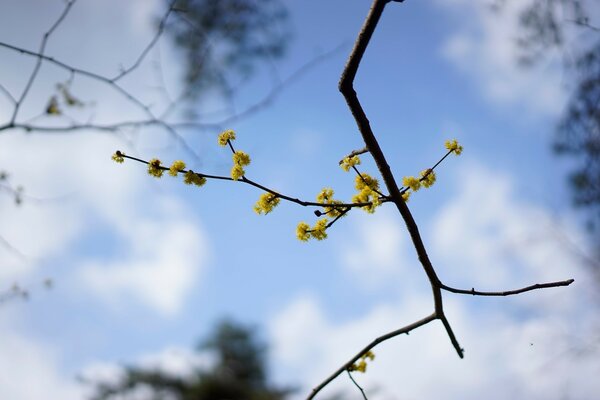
pixel 192 178
pixel 427 177
pixel 318 231
pixel 453 145
pixel 349 162
pixel 52 107
pixel 365 180
pixel 118 157
pixel 302 231
pixel 325 196
pixel 154 168
pixel 335 212
pixel 226 136
pixel 411 182
pixel 241 158
pixel 369 354
pixel 178 166
pixel 406 196
pixel 266 203
pixel 237 172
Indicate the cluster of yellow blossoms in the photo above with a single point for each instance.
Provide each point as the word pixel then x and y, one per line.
pixel 453 145
pixel 240 159
pixel 368 192
pixel 361 365
pixel 266 203
pixel 349 162
pixel 305 232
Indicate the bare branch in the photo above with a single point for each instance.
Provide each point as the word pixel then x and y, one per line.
pixel 159 32
pixel 40 57
pixel 357 385
pixel 508 292
pixel 368 347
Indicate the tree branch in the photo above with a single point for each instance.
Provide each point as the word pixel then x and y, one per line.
pixel 508 292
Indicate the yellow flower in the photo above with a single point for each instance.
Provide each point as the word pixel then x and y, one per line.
pixel 361 366
pixel 427 177
pixel 192 178
pixel 325 196
pixel 411 182
pixel 52 107
pixel 241 158
pixel 154 168
pixel 302 231
pixel 334 212
pixel 178 166
pixel 266 203
pixel 369 354
pixel 318 231
pixel 365 181
pixel 226 136
pixel 349 162
pixel 406 196
pixel 453 145
pixel 118 157
pixel 237 172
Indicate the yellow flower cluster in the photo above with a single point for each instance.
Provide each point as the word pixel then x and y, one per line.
pixel 325 196
pixel 361 365
pixel 240 160
pixel 192 178
pixel 177 167
pixel 427 177
pixel 367 187
pixel 349 162
pixel 304 232
pixel 266 203
pixel 154 168
pixel 226 136
pixel 118 157
pixel 411 182
pixel 453 145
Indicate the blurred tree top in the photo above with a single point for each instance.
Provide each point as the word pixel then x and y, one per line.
pixel 547 25
pixel 239 373
pixel 226 39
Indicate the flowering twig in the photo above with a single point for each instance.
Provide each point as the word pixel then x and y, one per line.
pixel 396 196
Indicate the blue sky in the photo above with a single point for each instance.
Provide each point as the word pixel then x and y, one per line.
pixel 144 267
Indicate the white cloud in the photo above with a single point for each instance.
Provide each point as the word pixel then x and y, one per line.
pixel 484 47
pixel 164 260
pixel 489 238
pixel 377 252
pixel 30 370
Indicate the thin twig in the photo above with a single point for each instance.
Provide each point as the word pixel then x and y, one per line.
pixel 157 35
pixel 250 182
pixel 40 57
pixel 508 292
pixel 357 385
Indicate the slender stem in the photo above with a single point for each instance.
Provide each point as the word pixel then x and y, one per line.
pixel 357 385
pixel 536 286
pixel 250 182
pixel 404 330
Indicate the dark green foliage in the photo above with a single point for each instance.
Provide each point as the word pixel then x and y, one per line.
pixel 239 373
pixel 226 39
